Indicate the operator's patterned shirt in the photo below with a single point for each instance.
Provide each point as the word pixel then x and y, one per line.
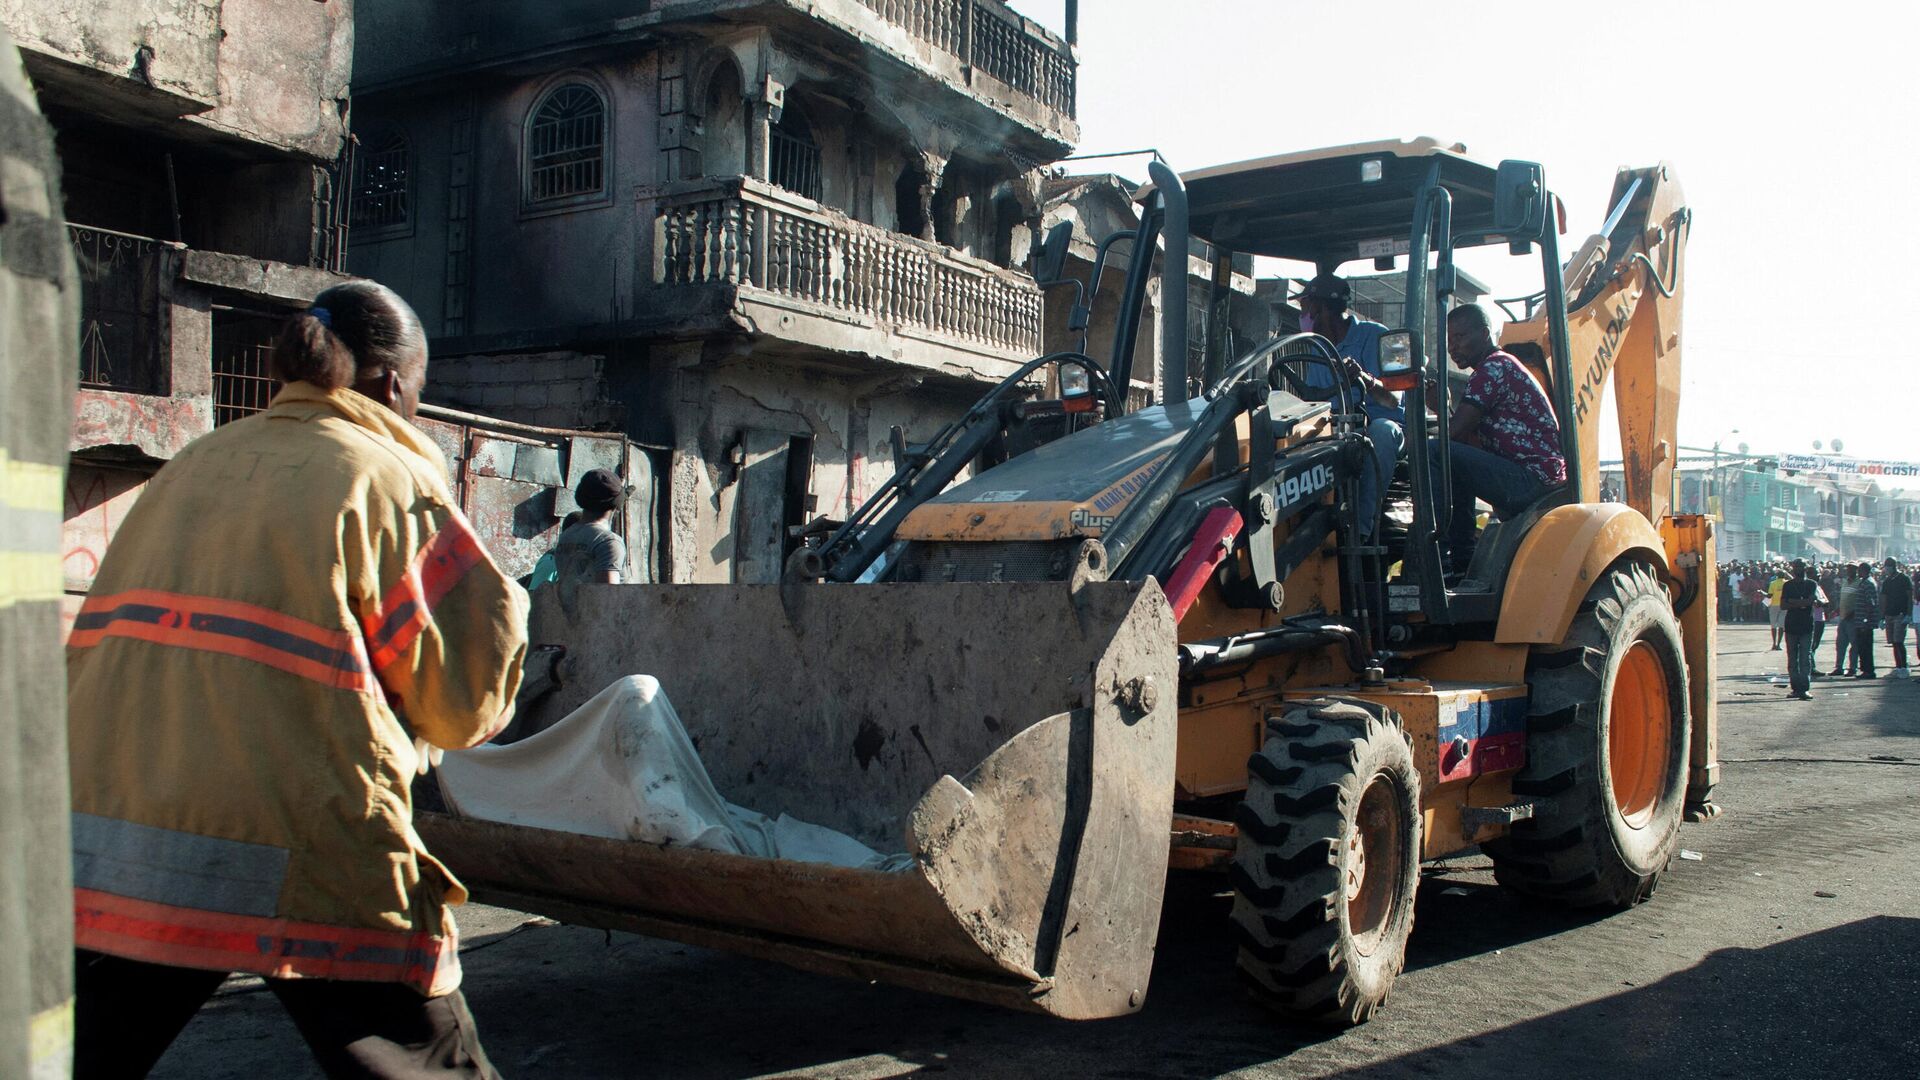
pixel 1516 420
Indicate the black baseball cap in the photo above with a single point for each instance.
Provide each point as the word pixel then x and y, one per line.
pixel 599 490
pixel 1327 287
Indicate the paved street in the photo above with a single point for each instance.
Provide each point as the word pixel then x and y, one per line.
pixel 1791 947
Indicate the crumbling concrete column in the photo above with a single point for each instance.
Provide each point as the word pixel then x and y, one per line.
pixel 763 111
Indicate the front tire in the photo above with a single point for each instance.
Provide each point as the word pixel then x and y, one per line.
pixel 1607 741
pixel 1327 861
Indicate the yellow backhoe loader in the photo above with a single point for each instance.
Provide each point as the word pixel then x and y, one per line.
pixel 1073 643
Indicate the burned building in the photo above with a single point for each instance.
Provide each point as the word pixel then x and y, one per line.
pixel 204 148
pixel 758 234
pixel 198 145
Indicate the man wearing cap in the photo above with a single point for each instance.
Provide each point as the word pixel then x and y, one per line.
pixel 589 552
pixel 1505 411
pixel 1323 310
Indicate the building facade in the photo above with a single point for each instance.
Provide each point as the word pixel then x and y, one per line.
pixel 198 145
pixel 758 234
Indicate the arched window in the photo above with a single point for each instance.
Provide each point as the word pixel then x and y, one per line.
pixel 567 145
pixel 380 169
pixel 795 153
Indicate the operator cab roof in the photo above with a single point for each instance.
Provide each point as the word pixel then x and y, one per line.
pixel 1334 205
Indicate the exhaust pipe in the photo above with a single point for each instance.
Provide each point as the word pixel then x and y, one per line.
pixel 1173 282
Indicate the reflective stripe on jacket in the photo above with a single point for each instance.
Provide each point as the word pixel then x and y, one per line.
pixel 292 602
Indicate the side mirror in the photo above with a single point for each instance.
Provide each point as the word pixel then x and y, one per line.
pixel 1520 199
pixel 1050 262
pixel 1399 369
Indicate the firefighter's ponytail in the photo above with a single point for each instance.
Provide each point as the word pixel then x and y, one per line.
pixel 350 333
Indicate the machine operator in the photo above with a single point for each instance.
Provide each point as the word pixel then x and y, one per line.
pixel 1502 436
pixel 1323 309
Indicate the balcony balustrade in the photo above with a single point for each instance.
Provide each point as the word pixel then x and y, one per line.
pixel 755 236
pixel 1862 525
pixel 991 37
pixel 1781 519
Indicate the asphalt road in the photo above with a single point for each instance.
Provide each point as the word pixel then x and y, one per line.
pixel 1790 948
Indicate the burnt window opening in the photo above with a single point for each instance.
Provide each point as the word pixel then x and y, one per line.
pixel 797 506
pixel 795 155
pixel 567 145
pixel 906 195
pixel 380 171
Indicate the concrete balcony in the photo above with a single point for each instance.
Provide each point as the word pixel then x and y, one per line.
pixel 1862 525
pixel 739 253
pixel 1781 519
pixel 989 39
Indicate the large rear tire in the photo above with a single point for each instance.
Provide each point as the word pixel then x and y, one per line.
pixel 1327 861
pixel 1607 740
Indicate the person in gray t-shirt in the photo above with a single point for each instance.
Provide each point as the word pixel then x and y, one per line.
pixel 590 552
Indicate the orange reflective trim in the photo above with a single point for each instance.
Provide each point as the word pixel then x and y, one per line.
pixel 334 658
pixel 275 948
pixel 408 606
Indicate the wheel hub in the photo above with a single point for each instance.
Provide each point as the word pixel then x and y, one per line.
pixel 1356 866
pixel 1639 727
pixel 1377 831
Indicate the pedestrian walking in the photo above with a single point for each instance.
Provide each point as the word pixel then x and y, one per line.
pixel 1776 615
pixel 1896 600
pixel 1799 597
pixel 291 616
pixel 1844 624
pixel 1866 619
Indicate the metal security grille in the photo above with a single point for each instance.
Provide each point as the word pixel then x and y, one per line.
pixel 796 158
pixel 566 146
pixel 242 349
pixel 120 347
pixel 380 180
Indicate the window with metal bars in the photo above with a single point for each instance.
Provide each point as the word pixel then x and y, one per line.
pixel 243 382
pixel 380 190
pixel 567 145
pixel 795 155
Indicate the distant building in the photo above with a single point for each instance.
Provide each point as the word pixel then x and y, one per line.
pixel 1769 513
pixel 759 234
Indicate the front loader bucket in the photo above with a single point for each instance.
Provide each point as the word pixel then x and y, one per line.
pixel 1017 739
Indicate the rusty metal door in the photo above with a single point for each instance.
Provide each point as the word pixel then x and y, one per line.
pixel 511 491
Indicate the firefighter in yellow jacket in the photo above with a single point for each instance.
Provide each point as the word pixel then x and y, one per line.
pixel 294 609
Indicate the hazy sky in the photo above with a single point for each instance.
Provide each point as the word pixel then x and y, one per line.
pixel 1790 126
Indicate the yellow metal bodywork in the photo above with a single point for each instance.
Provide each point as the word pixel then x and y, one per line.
pixel 1690 548
pixel 1565 553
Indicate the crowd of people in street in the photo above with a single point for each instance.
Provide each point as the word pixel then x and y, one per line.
pixel 1863 604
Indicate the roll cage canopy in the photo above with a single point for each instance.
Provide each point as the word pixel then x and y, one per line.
pixel 1337 204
